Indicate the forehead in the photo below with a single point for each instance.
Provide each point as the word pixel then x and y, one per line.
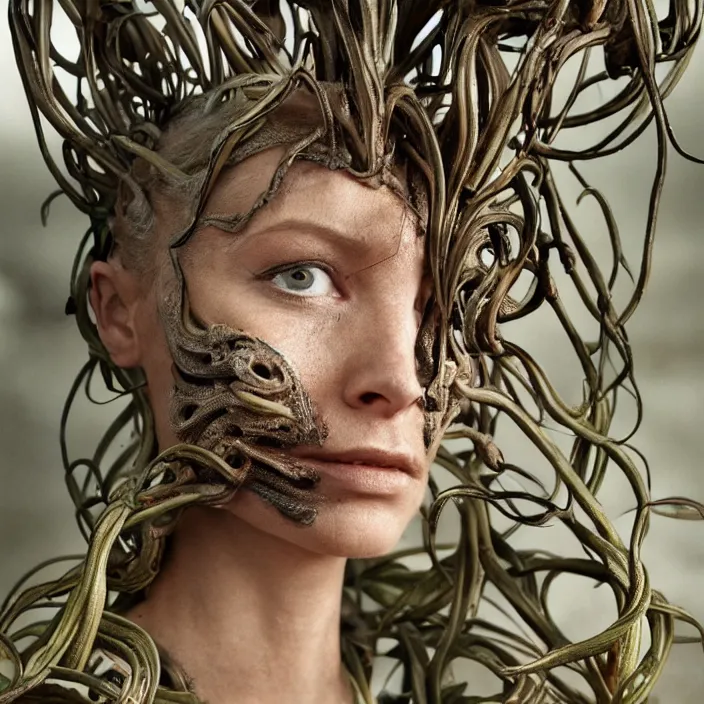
pixel 372 218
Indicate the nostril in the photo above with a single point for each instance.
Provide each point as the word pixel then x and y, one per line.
pixel 369 397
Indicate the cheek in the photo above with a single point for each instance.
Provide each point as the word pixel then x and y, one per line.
pixel 310 344
pixel 311 353
pixel 296 334
pixel 156 363
pixel 152 339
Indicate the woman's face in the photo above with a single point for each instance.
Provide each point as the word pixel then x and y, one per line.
pixel 330 274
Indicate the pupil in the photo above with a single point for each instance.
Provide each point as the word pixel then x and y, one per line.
pixel 300 278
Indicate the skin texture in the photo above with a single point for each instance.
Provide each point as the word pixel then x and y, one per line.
pixel 351 342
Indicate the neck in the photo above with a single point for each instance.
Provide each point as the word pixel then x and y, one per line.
pixel 249 617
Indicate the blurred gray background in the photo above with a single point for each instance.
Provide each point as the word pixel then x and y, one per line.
pixel 40 353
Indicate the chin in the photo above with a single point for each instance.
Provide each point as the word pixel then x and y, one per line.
pixel 354 527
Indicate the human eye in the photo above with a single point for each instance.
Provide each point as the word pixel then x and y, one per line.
pixel 302 279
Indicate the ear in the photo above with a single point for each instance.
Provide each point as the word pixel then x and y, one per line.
pixel 114 295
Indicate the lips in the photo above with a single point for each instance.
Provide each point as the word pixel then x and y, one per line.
pixel 369 457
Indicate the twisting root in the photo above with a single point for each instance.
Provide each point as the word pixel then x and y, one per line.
pixel 462 95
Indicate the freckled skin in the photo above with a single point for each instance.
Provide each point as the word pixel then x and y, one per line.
pixel 351 344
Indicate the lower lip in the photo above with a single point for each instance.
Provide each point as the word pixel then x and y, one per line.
pixel 365 478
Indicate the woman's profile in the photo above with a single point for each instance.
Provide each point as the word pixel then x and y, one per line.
pixel 311 224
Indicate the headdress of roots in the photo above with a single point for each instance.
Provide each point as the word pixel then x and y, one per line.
pixel 461 92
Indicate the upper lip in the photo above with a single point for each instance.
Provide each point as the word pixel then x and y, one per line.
pixel 376 457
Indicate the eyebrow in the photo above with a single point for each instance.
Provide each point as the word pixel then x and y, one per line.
pixel 337 235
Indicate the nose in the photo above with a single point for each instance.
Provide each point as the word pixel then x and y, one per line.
pixel 380 366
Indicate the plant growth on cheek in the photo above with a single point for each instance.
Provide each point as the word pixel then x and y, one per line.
pixel 238 397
